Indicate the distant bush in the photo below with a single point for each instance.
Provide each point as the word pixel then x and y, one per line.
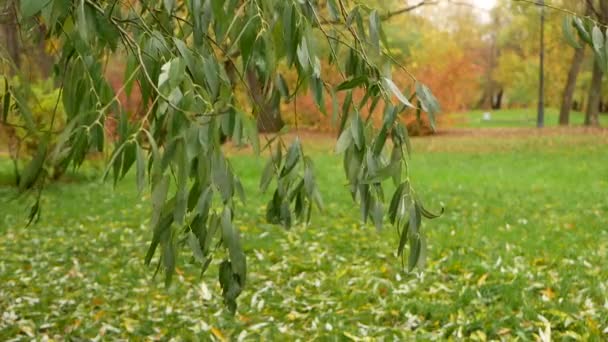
pixel 46 116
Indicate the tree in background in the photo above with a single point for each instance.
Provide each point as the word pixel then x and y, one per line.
pixel 575 67
pixel 540 121
pixel 444 46
pixel 513 73
pixel 599 66
pixel 442 43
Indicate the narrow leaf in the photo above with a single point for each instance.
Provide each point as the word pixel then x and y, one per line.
pixel 356 126
pixel 415 248
pixel 141 169
pixel 231 239
pixel 352 83
pixel 395 90
pixel 344 141
pixel 569 33
pixel 32 7
pixel 374 30
pixel 6 101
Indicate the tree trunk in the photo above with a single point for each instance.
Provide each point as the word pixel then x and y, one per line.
pixel 540 119
pixel 12 40
pixel 498 101
pixel 267 112
pixel 595 93
pixel 568 95
pixel 43 60
pixel 487 101
pixel 269 120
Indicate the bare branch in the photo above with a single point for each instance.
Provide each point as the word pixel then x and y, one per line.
pixel 407 9
pixel 592 8
pixel 388 15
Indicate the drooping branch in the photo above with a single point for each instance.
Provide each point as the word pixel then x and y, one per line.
pixel 566 11
pixel 388 15
pixel 391 14
pixel 593 9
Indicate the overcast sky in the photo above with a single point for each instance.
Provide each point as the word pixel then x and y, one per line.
pixel 485 4
pixel 482 7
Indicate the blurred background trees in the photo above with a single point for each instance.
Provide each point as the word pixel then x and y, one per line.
pixel 478 58
pixel 473 58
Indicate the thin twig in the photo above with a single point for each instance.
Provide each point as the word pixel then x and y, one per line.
pixel 563 10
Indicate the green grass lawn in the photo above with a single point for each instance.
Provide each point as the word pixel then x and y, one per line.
pixel 523 117
pixel 522 248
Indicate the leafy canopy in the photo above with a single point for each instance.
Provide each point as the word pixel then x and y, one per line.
pixel 188 59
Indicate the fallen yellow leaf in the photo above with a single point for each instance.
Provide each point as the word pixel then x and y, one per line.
pixel 217 333
pixel 482 279
pixel 548 292
pixel 99 315
pixel 504 331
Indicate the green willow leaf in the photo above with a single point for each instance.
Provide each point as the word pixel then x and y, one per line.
pixel 141 169
pixel 231 240
pixel 374 30
pixel 415 250
pixel 169 5
pixel 282 86
pixel 352 83
pixel 290 32
pixel 267 175
pixel 159 194
pixel 403 236
pixel 428 101
pixel 33 170
pixel 345 110
pixel 6 101
pixel 25 112
pixel 395 90
pixel 582 31
pixel 30 8
pixel 598 38
pixel 192 63
pixel 429 214
pixel 344 141
pixel 334 106
pixel 292 157
pixel 168 258
pixel 395 201
pixel 380 140
pixel 195 246
pixel 316 85
pixel 231 287
pixel 83 21
pixel 247 39
pixel 569 33
pixel 378 215
pixel 356 127
pixel 332 9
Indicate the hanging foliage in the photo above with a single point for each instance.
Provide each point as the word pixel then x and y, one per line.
pixel 187 57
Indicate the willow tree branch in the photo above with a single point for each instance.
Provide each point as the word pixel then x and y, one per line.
pixel 391 14
pixel 387 15
pixel 566 11
pixel 591 7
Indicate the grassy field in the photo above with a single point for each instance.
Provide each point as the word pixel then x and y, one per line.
pixel 523 117
pixel 520 252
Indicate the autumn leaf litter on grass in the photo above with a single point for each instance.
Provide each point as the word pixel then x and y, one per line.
pixel 510 258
